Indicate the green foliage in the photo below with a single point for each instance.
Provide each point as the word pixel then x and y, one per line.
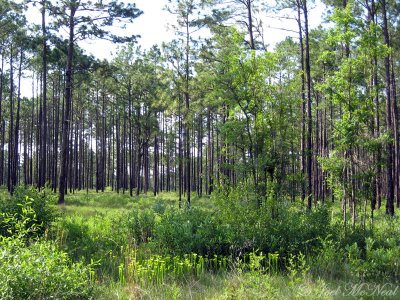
pixel 37 269
pixel 329 261
pixel 41 271
pixel 235 226
pixel 140 224
pixel 159 207
pixel 160 249
pixel 297 267
pixel 381 262
pixel 293 231
pixel 40 205
pixel 192 230
pixel 276 227
pixel 21 226
pixel 96 238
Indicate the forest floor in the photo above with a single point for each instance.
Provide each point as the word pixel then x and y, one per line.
pixel 90 221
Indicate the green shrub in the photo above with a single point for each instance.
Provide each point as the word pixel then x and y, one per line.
pixel 140 224
pixel 42 202
pixel 41 271
pixel 31 268
pixel 21 226
pixel 190 230
pixel 239 219
pixel 98 237
pixel 292 231
pixel 275 227
pixel 330 261
pixel 159 207
pixel 381 262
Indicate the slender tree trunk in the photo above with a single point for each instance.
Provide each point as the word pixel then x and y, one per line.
pixel 14 178
pixel 309 151
pixel 200 157
pixel 57 101
pixel 131 174
pixel 180 156
pixel 396 136
pixel 139 166
pixel 118 148
pixel 11 124
pixel 68 102
pixel 1 122
pixel 389 146
pixel 156 166
pixel 187 127
pixel 250 23
pixel 303 106
pixel 43 146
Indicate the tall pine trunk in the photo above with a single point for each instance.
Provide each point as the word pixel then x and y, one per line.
pixel 68 103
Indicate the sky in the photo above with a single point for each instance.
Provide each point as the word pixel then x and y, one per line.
pixel 153 26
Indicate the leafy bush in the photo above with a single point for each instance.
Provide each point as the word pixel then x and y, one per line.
pixel 41 271
pixel 93 238
pixel 22 226
pixel 330 261
pixel 191 230
pixel 159 207
pixel 275 227
pixel 140 224
pixel 292 231
pixel 34 268
pixel 42 203
pixel 239 219
pixel 381 262
pixel 237 226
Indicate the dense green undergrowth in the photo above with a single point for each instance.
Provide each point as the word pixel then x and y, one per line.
pixel 109 246
pixel 32 267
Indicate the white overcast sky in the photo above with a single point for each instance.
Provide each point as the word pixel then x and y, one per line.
pixel 152 26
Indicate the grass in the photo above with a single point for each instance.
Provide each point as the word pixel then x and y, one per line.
pixel 113 233
pixel 91 203
pixel 252 286
pixel 235 283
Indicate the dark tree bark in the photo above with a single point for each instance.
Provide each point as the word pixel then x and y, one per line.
pixel 14 177
pixel 1 121
pixel 186 119
pixel 156 188
pixel 11 124
pixel 250 23
pixel 43 130
pixel 303 104
pixel 309 151
pixel 57 102
pixel 396 135
pixel 68 102
pixel 389 146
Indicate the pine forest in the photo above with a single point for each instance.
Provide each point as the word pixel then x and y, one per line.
pixel 253 152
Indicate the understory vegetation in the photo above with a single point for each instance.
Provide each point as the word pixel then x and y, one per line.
pixel 110 246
